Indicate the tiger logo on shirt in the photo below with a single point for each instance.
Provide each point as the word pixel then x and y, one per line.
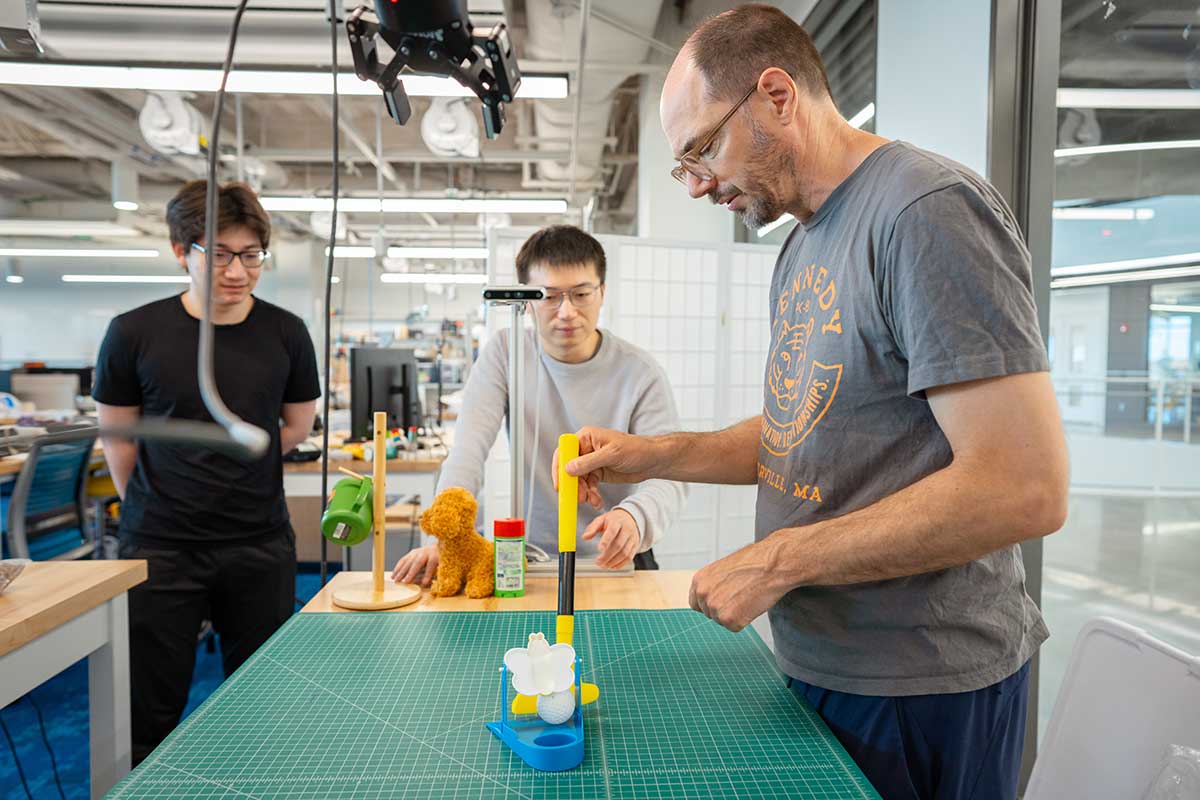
pixel 800 389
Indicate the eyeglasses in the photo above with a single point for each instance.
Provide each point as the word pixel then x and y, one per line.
pixel 251 259
pixel 581 297
pixel 690 161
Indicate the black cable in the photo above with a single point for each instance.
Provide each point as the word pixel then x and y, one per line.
pixel 12 746
pixel 333 42
pixel 238 429
pixel 46 741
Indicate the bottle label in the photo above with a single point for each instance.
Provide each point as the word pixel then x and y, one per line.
pixel 510 565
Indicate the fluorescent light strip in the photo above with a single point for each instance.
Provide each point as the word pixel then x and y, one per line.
pixel 1103 213
pixel 366 251
pixel 64 228
pixel 1169 308
pixel 1128 98
pixel 39 252
pixel 14 278
pixel 126 279
pixel 187 79
pixel 770 226
pixel 433 277
pixel 1131 147
pixel 417 205
pixel 352 251
pixel 863 117
pixel 1132 263
pixel 1126 277
pixel 477 253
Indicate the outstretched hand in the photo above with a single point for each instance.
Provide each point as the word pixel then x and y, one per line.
pixel 607 456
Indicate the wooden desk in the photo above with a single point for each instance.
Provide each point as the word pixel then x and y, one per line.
pixel 650 589
pixel 11 465
pixel 56 613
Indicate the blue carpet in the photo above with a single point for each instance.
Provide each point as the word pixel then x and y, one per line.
pixel 63 702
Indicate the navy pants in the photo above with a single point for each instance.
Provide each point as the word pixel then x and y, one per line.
pixel 964 746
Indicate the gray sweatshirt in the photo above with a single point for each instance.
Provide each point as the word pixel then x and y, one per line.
pixel 621 387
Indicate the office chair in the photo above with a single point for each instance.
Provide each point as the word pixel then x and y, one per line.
pixel 47 517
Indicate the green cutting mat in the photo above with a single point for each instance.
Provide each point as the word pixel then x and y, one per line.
pixel 393 705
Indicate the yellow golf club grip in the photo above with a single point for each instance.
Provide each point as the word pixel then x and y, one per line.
pixel 568 493
pixel 564 629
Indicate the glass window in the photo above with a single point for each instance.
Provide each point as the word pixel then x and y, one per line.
pixel 1125 313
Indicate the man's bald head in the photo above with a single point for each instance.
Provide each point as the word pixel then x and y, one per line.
pixel 730 51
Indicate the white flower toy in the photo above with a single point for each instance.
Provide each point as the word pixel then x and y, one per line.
pixel 544 671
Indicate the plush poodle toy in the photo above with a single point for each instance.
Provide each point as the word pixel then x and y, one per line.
pixel 466 557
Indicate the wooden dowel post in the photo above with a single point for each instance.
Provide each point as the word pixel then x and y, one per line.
pixel 378 553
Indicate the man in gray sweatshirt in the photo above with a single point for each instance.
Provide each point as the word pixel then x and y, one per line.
pixel 575 375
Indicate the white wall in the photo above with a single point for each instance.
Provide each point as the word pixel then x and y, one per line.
pixel 934 43
pixel 665 211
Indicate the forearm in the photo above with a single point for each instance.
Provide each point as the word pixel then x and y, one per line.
pixel 121 457
pixel 728 456
pixel 290 436
pixel 949 518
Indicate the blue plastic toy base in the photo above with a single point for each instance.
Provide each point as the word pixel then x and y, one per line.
pixel 550 748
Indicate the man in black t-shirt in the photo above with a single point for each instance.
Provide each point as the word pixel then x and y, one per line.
pixel 213 528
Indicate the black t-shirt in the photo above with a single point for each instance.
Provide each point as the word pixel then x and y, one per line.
pixel 183 495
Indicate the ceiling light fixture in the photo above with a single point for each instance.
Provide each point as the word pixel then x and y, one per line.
pixel 1128 98
pixel 126 279
pixel 1130 147
pixel 1127 264
pixel 49 252
pixel 418 205
pixel 1103 213
pixel 64 228
pixel 352 251
pixel 1171 308
pixel 477 253
pixel 261 81
pixel 124 185
pixel 433 277
pixel 1125 277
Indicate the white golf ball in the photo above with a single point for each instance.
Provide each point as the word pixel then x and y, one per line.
pixel 556 708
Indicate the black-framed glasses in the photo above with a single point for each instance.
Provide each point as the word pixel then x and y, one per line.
pixel 690 161
pixel 581 297
pixel 251 259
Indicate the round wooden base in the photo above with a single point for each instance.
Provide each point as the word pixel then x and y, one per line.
pixel 361 595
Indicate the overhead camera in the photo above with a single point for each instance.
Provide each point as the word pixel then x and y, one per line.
pixel 500 295
pixel 435 38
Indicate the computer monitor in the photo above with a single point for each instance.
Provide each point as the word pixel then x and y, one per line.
pixel 383 379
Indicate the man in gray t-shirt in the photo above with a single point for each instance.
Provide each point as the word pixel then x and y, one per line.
pixel 909 438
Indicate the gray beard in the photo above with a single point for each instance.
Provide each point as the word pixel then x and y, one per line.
pixel 763 204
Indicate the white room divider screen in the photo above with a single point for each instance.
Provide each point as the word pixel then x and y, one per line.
pixel 701 309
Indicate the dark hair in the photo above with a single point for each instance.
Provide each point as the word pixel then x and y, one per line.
pixel 560 246
pixel 733 48
pixel 237 205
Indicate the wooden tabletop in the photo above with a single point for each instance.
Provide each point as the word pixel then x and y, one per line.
pixel 11 465
pixel 49 593
pixel 650 589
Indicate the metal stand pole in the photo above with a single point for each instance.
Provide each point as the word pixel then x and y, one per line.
pixel 516 409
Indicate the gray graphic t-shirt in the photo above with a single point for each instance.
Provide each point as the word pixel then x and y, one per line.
pixel 911 275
